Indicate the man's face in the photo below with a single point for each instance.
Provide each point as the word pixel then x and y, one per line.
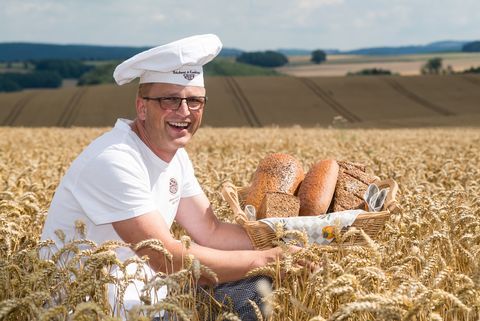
pixel 169 130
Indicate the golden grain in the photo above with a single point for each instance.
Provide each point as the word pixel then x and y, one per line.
pixel 427 258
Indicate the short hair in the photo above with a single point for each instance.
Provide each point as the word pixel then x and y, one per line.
pixel 144 89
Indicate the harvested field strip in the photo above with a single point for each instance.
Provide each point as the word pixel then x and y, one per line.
pixel 45 108
pixel 102 105
pixel 70 111
pixel 222 108
pixel 371 98
pixel 450 92
pixel 414 97
pixel 237 105
pixel 268 101
pixel 17 109
pixel 247 109
pixel 472 79
pixel 285 101
pixel 237 102
pixel 335 105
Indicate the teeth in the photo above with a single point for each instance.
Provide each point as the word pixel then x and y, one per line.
pixel 179 124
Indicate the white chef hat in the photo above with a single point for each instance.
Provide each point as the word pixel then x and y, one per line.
pixel 179 62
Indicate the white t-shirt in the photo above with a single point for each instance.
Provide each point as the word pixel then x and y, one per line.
pixel 115 178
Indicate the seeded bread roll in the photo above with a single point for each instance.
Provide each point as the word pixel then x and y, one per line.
pixel 316 190
pixel 275 173
pixel 276 204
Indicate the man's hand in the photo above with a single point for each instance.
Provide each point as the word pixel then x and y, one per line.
pixel 280 253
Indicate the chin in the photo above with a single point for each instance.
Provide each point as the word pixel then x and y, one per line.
pixel 182 141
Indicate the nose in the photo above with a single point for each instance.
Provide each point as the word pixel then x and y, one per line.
pixel 183 109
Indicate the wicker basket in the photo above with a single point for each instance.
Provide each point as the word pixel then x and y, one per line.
pixel 262 235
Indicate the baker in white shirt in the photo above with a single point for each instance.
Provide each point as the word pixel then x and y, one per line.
pixel 131 183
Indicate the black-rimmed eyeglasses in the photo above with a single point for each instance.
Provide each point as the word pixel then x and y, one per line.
pixel 173 103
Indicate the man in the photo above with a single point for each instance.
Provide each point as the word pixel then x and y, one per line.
pixel 132 182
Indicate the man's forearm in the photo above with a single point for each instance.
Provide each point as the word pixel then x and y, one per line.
pixel 228 236
pixel 228 265
pixel 224 248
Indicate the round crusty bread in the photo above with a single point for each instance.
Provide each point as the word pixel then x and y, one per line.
pixel 275 173
pixel 317 189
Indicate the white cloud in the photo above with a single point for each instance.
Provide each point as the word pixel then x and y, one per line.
pixel 158 17
pixel 313 4
pixel 394 16
pixel 31 7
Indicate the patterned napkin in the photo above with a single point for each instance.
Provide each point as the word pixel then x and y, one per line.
pixel 320 229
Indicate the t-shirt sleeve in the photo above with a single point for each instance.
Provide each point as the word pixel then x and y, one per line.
pixel 191 187
pixel 113 187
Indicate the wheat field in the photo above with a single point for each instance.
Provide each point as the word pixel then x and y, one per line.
pixel 423 266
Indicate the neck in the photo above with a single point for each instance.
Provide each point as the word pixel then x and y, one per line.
pixel 138 127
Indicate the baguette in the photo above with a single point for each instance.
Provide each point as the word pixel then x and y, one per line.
pixel 317 189
pixel 275 173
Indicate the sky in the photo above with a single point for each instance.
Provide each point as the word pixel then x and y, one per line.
pixel 243 24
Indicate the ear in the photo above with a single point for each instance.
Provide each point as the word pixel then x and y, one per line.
pixel 141 108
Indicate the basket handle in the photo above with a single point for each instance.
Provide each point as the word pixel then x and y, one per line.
pixel 230 195
pixel 391 203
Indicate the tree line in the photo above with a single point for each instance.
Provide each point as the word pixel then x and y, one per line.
pixel 271 59
pixel 47 73
pixel 39 79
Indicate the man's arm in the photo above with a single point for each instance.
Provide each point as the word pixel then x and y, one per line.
pixel 196 216
pixel 228 265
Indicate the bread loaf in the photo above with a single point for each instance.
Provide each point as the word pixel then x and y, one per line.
pixel 276 204
pixel 316 190
pixel 275 173
pixel 352 182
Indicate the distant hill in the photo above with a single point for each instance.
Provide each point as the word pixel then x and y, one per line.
pixel 440 46
pixel 36 51
pixel 304 52
pixel 294 52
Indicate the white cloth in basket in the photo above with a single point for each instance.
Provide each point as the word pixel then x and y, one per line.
pixel 320 229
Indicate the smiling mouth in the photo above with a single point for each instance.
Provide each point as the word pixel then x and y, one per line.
pixel 179 125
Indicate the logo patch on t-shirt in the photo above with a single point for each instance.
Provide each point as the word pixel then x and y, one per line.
pixel 173 186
